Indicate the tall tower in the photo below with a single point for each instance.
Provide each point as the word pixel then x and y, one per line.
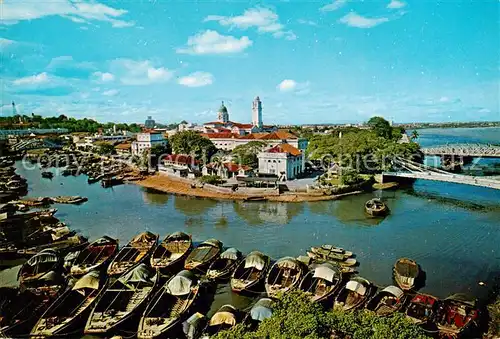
pixel 223 114
pixel 14 111
pixel 257 112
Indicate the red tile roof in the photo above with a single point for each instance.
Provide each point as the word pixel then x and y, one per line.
pixel 239 125
pixel 180 159
pixel 285 148
pixel 231 167
pixel 222 135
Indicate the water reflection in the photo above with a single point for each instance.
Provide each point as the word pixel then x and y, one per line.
pixel 154 197
pixel 257 213
pixel 193 206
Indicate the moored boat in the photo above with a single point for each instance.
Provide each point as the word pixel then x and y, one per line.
pixel 354 294
pixel 95 255
pixel 173 250
pixel 42 273
pixel 322 281
pixel 70 311
pixel 376 208
pixel 326 250
pixel 122 300
pixel 226 317
pixel 223 267
pixel 169 306
pixel 406 272
pixel 421 311
pixel 262 310
pixel 456 315
pixel 203 255
pixel 250 272
pixel 133 254
pixel 69 200
pixel 47 175
pixel 391 299
pixel 285 275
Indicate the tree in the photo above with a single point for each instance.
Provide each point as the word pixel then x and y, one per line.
pixel 157 151
pixel 105 149
pixel 247 154
pixel 381 126
pixel 494 313
pixel 192 143
pixel 414 135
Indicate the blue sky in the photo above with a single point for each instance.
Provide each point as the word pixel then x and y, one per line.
pixel 309 61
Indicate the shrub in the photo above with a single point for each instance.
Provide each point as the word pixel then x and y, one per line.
pixel 211 179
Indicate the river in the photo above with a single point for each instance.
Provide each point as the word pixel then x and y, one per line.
pixel 453 231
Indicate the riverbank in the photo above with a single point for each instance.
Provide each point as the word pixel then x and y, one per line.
pixel 166 184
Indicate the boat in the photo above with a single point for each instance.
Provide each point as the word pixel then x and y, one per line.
pixel 421 311
pixel 69 312
pixel 376 208
pixel 262 310
pixel 226 317
pixel 223 267
pixel 456 315
pixel 285 275
pixel 69 200
pixel 203 255
pixel 47 175
pixel 16 186
pixel 122 300
pixel 339 259
pixel 133 254
pixel 94 179
pixel 387 301
pixel 169 306
pixel 328 250
pixel 354 294
pixel 406 272
pixel 322 281
pixel 42 273
pixel 250 272
pixel 110 182
pixel 173 250
pixel 95 255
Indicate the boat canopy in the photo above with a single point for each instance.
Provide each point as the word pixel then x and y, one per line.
pixel 178 236
pixel 193 325
pixel 181 283
pixel 139 274
pixel 50 276
pixel 262 309
pixel 212 242
pixel 463 298
pixel 144 237
pixel 288 262
pixel 224 316
pixel 105 241
pixel 47 255
pixel 326 271
pixel 89 280
pixel 356 286
pixel 395 291
pixel 231 254
pixel 256 259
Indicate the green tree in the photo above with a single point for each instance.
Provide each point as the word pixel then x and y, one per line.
pixel 247 154
pixel 494 313
pixel 192 143
pixel 105 149
pixel 414 135
pixel 381 126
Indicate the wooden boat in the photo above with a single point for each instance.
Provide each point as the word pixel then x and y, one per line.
pixel 262 310
pixel 223 267
pixel 421 311
pixel 387 301
pixel 456 315
pixel 322 281
pixel 42 273
pixel 110 182
pixel 69 200
pixel 47 175
pixel 203 255
pixel 94 179
pixel 95 255
pixel 172 250
pixel 406 272
pixel 339 259
pixel 250 272
pixel 226 317
pixel 70 311
pixel 126 297
pixel 285 275
pixel 329 250
pixel 354 294
pixel 376 208
pixel 133 254
pixel 169 306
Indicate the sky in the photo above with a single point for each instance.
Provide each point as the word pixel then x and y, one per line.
pixel 338 61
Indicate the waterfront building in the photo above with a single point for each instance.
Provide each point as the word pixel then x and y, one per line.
pixel 147 140
pixel 283 160
pixel 228 170
pixel 179 165
pixel 149 123
pixel 124 148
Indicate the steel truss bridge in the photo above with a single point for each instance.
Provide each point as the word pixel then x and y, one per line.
pixel 464 150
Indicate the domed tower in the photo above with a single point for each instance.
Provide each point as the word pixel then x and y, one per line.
pixel 257 112
pixel 223 114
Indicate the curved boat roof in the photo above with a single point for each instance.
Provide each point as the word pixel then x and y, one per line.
pixel 288 262
pixel 105 240
pixel 181 283
pixel 225 315
pixel 356 286
pixel 141 273
pixel 395 291
pixel 326 271
pixel 231 253
pixel 47 255
pixel 144 237
pixel 256 259
pixel 178 236
pixel 89 280
pixel 262 309
pixel 212 242
pixel 463 298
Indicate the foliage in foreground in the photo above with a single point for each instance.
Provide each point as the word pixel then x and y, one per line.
pixel 494 325
pixel 211 179
pixel 295 316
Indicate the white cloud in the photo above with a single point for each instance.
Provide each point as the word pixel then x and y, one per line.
pixel 77 11
pixel 211 42
pixel 395 4
pixel 67 61
pixel 111 92
pixel 307 22
pixel 144 72
pixel 4 43
pixel 355 20
pixel 32 80
pixel 287 85
pixel 263 19
pixel 104 76
pixel 333 6
pixel 196 79
pixel 444 99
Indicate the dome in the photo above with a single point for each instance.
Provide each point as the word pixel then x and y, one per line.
pixel 223 108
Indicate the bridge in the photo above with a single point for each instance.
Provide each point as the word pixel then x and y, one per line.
pixel 31 144
pixel 413 170
pixel 464 150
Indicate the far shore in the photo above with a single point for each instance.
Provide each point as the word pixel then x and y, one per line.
pixel 165 184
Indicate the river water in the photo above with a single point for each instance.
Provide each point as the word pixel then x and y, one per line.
pixel 453 231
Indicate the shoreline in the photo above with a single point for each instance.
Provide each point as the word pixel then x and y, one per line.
pixel 165 184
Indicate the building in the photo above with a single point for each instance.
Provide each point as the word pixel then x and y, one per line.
pixel 123 148
pixel 179 165
pixel 228 170
pixel 146 141
pixel 257 113
pixel 283 160
pixel 149 123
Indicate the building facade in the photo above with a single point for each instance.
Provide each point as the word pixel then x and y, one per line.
pixel 283 160
pixel 228 141
pixel 147 140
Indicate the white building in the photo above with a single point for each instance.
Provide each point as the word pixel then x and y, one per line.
pixel 284 160
pixel 146 141
pixel 257 113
